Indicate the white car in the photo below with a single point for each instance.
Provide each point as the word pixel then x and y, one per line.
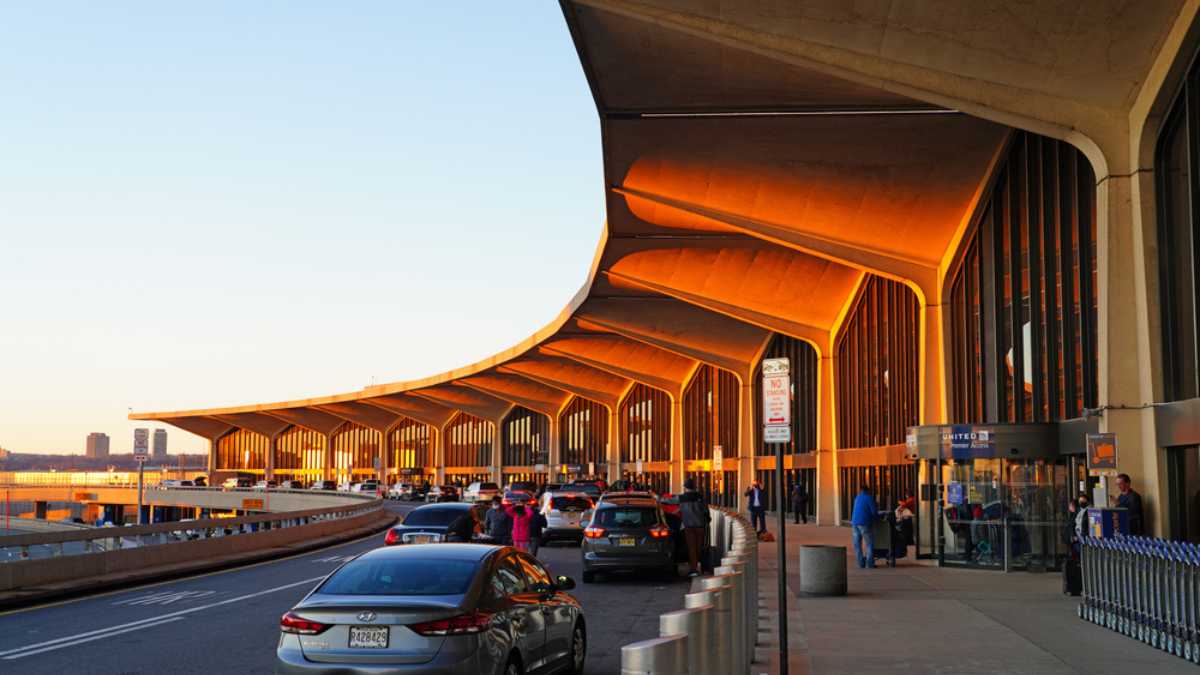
pixel 172 483
pixel 367 486
pixel 480 492
pixel 401 491
pixel 565 514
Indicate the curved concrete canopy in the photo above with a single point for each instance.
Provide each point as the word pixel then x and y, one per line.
pixel 738 226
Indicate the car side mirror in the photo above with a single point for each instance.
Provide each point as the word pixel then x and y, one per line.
pixel 564 583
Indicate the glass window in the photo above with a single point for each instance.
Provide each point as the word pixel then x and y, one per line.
pixel 626 516
pixel 570 503
pixel 410 576
pixel 536 576
pixel 433 516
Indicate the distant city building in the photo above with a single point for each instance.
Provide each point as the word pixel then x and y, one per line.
pixel 4 453
pixel 160 443
pixel 97 445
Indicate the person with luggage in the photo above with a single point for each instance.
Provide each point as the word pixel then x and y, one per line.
pixel 756 502
pixel 695 515
pixel 800 502
pixel 537 523
pixel 862 523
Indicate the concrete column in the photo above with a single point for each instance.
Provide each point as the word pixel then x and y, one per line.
pixel 1128 350
pixel 212 455
pixel 827 465
pixel 381 453
pixel 437 438
pixel 269 469
pixel 327 474
pixel 497 455
pixel 614 445
pixel 931 365
pixel 676 445
pixel 745 449
pixel 553 458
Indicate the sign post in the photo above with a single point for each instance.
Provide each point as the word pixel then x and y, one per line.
pixel 141 446
pixel 1102 462
pixel 777 429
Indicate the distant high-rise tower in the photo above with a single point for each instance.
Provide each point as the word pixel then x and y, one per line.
pixel 97 445
pixel 160 444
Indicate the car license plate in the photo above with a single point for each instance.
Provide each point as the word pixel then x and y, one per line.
pixel 369 637
pixel 421 539
pixel 626 541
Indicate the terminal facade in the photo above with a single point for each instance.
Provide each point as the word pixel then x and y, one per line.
pixel 946 218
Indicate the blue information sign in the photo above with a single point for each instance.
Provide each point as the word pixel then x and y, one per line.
pixel 954 493
pixel 963 441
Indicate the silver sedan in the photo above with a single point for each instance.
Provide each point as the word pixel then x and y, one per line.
pixel 436 609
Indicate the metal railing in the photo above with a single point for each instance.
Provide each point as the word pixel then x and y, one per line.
pixel 54 544
pixel 1147 589
pixel 693 641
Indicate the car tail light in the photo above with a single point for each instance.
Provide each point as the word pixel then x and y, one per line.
pixel 290 623
pixel 393 537
pixel 660 532
pixel 593 532
pixel 463 624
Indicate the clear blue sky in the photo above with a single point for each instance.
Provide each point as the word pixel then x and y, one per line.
pixel 235 202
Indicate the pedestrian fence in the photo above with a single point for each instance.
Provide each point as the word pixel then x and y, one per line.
pixel 1147 589
pixel 715 632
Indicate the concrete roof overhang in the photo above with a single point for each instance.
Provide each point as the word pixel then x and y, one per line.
pixel 759 159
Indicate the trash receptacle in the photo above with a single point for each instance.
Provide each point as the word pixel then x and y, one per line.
pixel 822 570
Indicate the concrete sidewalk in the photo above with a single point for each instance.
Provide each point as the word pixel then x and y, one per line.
pixel 919 618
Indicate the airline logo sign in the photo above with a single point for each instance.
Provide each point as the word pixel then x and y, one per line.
pixel 777 401
pixel 962 441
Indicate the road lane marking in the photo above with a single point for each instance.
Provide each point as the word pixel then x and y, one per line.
pixel 73 643
pixel 132 625
pixel 165 598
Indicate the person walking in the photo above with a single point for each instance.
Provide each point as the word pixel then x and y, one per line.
pixel 537 524
pixel 1131 501
pixel 756 501
pixel 862 522
pixel 695 515
pixel 498 523
pixel 520 526
pixel 800 502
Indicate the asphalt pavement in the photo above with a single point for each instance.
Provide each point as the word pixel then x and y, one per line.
pixel 228 622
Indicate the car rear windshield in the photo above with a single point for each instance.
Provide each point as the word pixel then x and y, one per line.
pixel 418 576
pixel 441 517
pixel 570 504
pixel 627 516
pixel 489 486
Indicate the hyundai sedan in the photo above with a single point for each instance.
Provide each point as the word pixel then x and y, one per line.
pixel 444 609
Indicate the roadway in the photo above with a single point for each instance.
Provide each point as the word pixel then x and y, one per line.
pixel 228 621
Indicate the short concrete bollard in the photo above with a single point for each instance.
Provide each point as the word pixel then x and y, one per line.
pixel 694 624
pixel 660 656
pixel 721 599
pixel 736 631
pixel 737 568
pixel 822 570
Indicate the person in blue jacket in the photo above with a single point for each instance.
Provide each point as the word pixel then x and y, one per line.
pixel 862 522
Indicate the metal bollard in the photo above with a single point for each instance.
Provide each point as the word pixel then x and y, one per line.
pixel 660 656
pixel 737 564
pixel 692 623
pixel 740 626
pixel 720 657
pixel 750 555
pixel 731 631
pixel 702 646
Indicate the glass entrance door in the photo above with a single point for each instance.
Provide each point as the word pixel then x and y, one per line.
pixel 998 513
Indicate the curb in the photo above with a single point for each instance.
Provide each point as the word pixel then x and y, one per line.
pixel 85 587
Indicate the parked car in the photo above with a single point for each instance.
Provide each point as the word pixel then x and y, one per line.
pixel 670 503
pixel 593 488
pixel 427 523
pixel 266 485
pixel 513 498
pixel 368 486
pixel 401 491
pixel 627 533
pixel 480 492
pixel 522 486
pixel 323 485
pixel 235 483
pixel 200 481
pixel 172 483
pixel 565 513
pixel 291 485
pixel 448 608
pixel 442 493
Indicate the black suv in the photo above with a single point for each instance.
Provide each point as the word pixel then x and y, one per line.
pixel 627 533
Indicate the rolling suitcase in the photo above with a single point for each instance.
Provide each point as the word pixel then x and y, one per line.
pixel 1072 577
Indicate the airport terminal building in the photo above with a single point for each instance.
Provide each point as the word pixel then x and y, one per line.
pixel 952 218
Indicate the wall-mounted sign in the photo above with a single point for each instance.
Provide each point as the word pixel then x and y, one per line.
pixel 572 468
pixel 591 468
pixel 252 503
pixel 1102 454
pixel 963 441
pixel 954 493
pixel 718 460
pixel 641 467
pixel 539 468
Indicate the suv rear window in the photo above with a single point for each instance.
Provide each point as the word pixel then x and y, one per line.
pixel 626 516
pixel 570 504
pixel 401 577
pixel 489 486
pixel 433 516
